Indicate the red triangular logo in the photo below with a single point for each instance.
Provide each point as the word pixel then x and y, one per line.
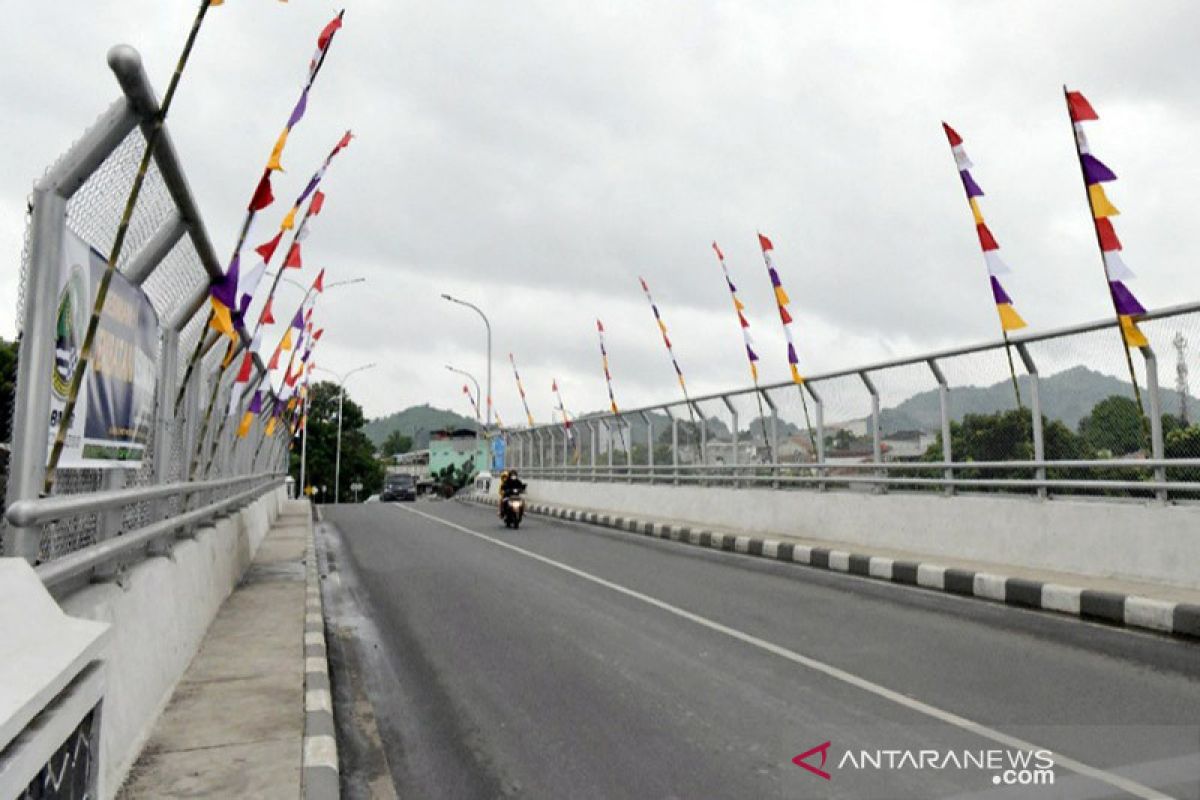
pixel 823 749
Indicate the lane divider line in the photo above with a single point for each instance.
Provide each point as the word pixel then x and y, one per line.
pixel 1111 608
pixel 911 703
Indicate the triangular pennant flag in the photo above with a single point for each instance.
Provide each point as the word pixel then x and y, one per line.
pixel 1079 108
pixel 318 202
pixel 293 257
pixel 262 195
pixel 289 220
pixel 952 135
pixel 995 264
pixel 1124 301
pixel 319 283
pixel 221 319
pixel 267 249
pixel 1115 266
pixel 1094 170
pixel 244 426
pixel 1010 320
pixel 274 362
pixel 986 240
pixel 277 151
pixel 999 296
pixel 318 334
pixel 247 366
pixel 765 243
pixel 1101 207
pixel 1132 333
pixel 970 185
pixel 267 318
pixel 1108 235
pixel 286 342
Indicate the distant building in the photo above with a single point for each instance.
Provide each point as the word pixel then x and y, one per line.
pixel 907 445
pixel 459 447
pixel 414 462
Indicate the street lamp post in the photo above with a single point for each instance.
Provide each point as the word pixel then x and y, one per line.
pixel 337 463
pixel 488 325
pixel 472 379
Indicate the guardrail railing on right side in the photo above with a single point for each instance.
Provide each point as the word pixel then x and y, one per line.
pixel 1065 421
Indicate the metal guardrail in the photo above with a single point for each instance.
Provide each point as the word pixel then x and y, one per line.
pixel 718 439
pixel 97 513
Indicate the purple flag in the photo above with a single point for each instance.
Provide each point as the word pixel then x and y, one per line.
pixel 998 294
pixel 792 354
pixel 751 354
pixel 225 290
pixel 1094 171
pixel 970 185
pixel 312 184
pixel 298 111
pixel 298 320
pixel 1127 305
pixel 255 404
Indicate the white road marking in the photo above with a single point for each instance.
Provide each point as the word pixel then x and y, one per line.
pixel 1124 784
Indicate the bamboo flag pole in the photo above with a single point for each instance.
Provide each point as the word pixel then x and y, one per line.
pixel 785 317
pixel 521 390
pixel 1095 174
pixel 89 339
pixel 662 327
pixel 1010 320
pixel 751 355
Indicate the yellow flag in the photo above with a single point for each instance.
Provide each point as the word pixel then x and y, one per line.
pixel 1132 333
pixel 230 352
pixel 286 344
pixel 270 426
pixel 781 296
pixel 738 304
pixel 976 212
pixel 289 221
pixel 277 152
pixel 796 376
pixel 662 326
pixel 1101 207
pixel 221 320
pixel 1010 320
pixel 244 427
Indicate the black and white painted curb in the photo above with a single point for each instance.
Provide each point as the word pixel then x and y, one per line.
pixel 1134 611
pixel 320 760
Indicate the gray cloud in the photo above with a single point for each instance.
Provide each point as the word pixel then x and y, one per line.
pixel 537 158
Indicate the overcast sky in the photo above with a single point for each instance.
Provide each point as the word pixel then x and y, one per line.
pixel 537 157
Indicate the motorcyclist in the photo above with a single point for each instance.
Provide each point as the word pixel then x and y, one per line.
pixel 510 485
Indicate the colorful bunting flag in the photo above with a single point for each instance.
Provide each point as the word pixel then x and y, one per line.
pixel 471 398
pixel 1010 320
pixel 662 327
pixel 252 411
pixel 607 375
pixel 1095 174
pixel 740 310
pixel 521 390
pixel 781 300
pixel 561 407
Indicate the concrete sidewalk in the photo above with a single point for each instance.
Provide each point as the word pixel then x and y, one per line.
pixel 235 724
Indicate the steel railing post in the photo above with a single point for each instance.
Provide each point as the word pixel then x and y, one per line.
pixel 773 443
pixel 566 444
pixel 1035 409
pixel 31 413
pixel 733 420
pixel 819 413
pixel 675 450
pixel 646 418
pixel 1157 450
pixel 876 433
pixel 944 406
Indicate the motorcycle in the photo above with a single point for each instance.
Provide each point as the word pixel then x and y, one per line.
pixel 512 510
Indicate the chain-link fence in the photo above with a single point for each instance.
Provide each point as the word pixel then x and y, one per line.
pixel 1041 414
pixel 184 467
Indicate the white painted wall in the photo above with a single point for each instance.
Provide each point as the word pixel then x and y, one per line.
pixel 158 621
pixel 1132 541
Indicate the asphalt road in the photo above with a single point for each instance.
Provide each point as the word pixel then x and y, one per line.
pixel 564 661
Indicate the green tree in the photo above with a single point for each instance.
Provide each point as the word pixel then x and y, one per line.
pixel 8 380
pixel 358 454
pixel 1113 426
pixel 395 444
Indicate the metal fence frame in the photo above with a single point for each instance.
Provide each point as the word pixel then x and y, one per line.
pixel 876 474
pixel 126 523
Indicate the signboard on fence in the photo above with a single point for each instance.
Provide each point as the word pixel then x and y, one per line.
pixel 114 412
pixel 498 449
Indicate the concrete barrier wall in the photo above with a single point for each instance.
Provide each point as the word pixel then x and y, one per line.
pixel 159 618
pixel 1132 541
